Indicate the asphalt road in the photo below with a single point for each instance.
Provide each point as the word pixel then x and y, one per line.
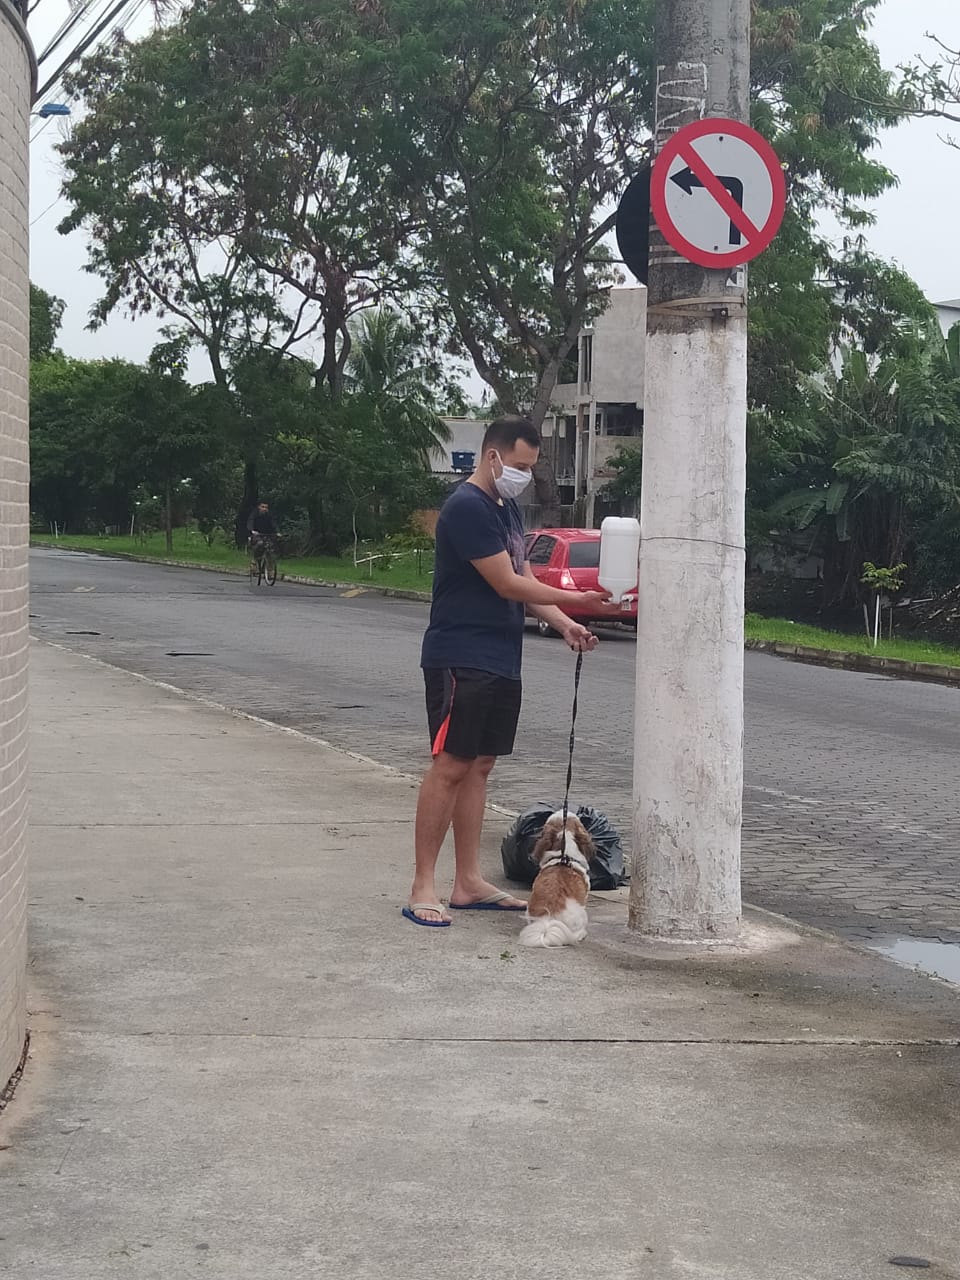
pixel 851 815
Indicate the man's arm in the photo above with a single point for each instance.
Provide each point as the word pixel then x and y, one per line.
pixel 551 614
pixel 498 572
pixel 578 637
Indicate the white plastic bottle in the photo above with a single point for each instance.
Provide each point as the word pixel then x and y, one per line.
pixel 619 555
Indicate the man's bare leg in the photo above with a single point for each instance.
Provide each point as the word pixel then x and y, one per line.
pixel 469 885
pixel 435 808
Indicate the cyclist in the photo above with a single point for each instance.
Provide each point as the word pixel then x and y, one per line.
pixel 261 526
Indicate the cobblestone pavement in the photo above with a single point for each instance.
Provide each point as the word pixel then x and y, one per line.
pixel 851 815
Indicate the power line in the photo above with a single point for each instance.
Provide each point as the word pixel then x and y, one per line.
pixel 48 208
pixel 77 16
pixel 84 45
pixel 123 15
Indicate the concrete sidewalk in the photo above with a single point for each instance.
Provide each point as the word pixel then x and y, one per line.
pixel 246 1064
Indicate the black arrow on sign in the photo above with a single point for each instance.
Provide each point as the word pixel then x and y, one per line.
pixel 686 180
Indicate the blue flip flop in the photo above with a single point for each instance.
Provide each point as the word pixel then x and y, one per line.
pixel 408 914
pixel 492 903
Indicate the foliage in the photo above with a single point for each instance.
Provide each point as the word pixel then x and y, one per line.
pixel 881 580
pixel 628 465
pixel 880 465
pixel 934 85
pixel 102 430
pixel 336 199
pixel 46 317
pixel 823 100
pixel 784 631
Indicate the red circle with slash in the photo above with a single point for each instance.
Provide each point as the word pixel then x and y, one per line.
pixel 718 192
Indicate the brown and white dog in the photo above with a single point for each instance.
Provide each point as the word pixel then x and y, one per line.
pixel 557 911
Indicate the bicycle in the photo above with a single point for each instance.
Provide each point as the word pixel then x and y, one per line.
pixel 263 562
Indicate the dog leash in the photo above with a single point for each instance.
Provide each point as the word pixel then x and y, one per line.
pixel 573 727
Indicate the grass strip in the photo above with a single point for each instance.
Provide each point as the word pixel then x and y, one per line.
pixel 399 572
pixel 783 631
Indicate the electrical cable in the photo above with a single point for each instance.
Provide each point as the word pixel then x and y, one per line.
pixel 46 210
pixel 84 45
pixel 76 17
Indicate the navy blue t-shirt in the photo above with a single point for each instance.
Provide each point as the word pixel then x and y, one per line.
pixel 470 625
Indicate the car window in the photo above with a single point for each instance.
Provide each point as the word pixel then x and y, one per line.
pixel 585 555
pixel 542 550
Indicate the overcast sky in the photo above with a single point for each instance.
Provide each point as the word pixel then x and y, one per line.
pixel 916 222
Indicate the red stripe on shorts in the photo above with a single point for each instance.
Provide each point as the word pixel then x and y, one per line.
pixel 440 740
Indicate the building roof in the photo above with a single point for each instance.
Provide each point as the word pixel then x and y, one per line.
pixel 952 305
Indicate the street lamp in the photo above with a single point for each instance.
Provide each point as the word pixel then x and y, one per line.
pixel 52 109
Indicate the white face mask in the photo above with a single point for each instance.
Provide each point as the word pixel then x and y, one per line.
pixel 512 481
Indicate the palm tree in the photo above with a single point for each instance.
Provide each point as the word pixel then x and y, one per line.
pixel 387 367
pixel 388 423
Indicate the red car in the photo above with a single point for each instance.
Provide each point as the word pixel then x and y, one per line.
pixel 570 559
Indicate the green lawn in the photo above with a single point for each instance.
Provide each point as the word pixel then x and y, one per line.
pixel 400 572
pixel 782 631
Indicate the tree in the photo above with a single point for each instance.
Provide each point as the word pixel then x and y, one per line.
pixel 178 440
pixel 510 147
pixel 77 409
pixel 882 465
pixel 823 99
pixel 627 466
pixel 46 317
pixel 461 161
pixel 363 458
pixel 161 228
pixel 102 429
pixel 934 85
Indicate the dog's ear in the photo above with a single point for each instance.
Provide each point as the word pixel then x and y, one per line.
pixel 549 841
pixel 584 843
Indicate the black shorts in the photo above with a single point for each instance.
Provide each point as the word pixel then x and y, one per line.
pixel 471 713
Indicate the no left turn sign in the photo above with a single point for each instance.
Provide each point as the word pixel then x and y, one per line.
pixel 718 193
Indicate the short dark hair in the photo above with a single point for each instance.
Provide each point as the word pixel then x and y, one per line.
pixel 503 433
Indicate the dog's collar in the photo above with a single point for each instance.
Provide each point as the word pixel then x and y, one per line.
pixel 576 861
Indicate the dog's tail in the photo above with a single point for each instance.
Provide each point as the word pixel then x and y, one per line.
pixel 564 930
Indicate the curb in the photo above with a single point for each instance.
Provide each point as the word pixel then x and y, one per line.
pixel 395 593
pixel 933 672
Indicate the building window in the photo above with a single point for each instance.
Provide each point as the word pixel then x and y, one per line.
pixel 586 361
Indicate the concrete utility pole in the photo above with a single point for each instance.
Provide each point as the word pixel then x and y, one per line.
pixel 688 763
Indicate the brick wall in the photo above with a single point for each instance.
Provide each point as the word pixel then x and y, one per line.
pixel 15 93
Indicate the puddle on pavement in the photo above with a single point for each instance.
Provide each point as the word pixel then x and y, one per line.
pixel 942 959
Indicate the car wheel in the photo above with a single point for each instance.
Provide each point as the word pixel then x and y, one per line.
pixel 544 628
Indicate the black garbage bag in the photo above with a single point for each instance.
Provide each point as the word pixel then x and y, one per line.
pixel 606 871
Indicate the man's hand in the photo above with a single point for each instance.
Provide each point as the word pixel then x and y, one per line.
pixel 580 639
pixel 599 600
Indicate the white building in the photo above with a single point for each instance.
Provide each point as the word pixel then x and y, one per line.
pixel 600 409
pixel 17 81
pixel 948 313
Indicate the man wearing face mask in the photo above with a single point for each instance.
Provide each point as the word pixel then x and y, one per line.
pixel 471 662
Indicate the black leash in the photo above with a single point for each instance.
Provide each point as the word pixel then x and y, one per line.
pixel 573 726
